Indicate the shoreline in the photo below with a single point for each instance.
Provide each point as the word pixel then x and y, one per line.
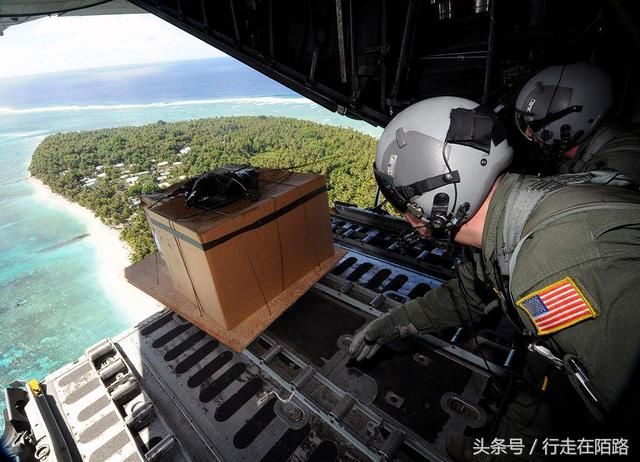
pixel 112 256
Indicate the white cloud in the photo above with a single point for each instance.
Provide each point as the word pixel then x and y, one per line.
pixel 65 43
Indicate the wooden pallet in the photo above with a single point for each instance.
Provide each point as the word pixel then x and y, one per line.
pixel 150 275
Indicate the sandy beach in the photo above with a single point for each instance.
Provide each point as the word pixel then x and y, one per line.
pixel 112 253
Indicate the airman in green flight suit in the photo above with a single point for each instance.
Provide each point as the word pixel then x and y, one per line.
pixel 566 111
pixel 560 254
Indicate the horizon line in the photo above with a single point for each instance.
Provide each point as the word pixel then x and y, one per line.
pixel 115 66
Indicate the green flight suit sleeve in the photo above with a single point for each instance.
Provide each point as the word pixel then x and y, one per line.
pixel 450 304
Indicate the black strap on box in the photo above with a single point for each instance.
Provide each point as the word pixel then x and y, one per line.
pixel 257 224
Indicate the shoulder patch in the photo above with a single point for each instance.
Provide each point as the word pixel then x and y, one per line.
pixel 557 306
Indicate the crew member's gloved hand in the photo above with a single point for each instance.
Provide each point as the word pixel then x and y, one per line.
pixel 368 340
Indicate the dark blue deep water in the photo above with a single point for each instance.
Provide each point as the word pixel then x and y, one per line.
pixel 149 83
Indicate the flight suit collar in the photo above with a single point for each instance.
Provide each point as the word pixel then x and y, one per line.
pixel 492 233
pixel 492 241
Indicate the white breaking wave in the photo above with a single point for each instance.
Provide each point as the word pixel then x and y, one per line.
pixel 259 101
pixel 23 134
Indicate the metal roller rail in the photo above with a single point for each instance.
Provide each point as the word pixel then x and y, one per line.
pixel 165 390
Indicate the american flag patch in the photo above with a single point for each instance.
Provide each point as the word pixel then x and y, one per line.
pixel 557 306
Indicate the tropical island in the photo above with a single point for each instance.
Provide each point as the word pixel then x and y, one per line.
pixel 107 170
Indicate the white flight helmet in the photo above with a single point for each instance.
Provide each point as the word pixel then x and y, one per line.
pixel 439 158
pixel 561 106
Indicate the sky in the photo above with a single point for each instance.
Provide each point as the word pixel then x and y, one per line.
pixel 55 44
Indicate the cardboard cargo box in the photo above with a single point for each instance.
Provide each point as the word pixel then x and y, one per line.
pixel 237 261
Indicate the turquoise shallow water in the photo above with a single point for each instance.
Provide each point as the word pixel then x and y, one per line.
pixel 52 305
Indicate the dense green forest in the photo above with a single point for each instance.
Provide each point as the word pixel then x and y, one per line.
pixel 107 170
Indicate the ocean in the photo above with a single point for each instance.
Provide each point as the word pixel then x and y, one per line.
pixel 52 302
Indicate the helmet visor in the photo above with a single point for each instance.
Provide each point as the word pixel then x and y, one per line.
pixel 529 128
pixel 392 194
pixel 523 125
